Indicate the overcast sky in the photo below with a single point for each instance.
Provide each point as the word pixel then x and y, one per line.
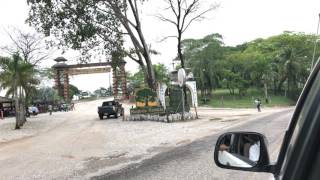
pixel 237 21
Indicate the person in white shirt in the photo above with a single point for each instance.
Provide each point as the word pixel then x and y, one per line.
pixel 254 151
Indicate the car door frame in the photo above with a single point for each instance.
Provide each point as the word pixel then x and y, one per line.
pixel 287 166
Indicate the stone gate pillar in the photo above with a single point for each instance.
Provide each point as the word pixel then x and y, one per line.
pixel 57 83
pixel 61 77
pixel 119 74
pixel 66 85
pixel 115 81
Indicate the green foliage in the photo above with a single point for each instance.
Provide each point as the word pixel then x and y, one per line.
pixel 86 25
pixel 203 57
pixel 16 73
pixel 145 95
pixel 137 79
pixel 46 95
pixel 222 98
pixel 161 73
pixel 279 63
pixel 73 90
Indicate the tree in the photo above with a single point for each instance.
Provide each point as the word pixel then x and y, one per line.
pixel 203 56
pixel 279 62
pixel 136 80
pixel 184 13
pixel 46 95
pixel 31 46
pixel 94 25
pixel 73 90
pixel 17 77
pixel 161 73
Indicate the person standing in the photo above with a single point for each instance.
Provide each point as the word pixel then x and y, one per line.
pixel 258 104
pixel 50 109
pixel 72 107
pixel 1 111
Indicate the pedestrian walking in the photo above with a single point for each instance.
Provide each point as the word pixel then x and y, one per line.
pixel 258 104
pixel 72 107
pixel 50 109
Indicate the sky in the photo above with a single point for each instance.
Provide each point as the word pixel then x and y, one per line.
pixel 238 21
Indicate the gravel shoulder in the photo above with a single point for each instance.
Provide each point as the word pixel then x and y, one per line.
pixel 78 145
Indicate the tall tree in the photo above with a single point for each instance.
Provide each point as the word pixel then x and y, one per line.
pixel 17 77
pixel 46 95
pixel 203 56
pixel 185 12
pixel 94 25
pixel 31 46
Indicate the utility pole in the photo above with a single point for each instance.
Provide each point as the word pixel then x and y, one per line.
pixel 315 44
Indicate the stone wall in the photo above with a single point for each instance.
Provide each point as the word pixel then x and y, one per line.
pixel 168 119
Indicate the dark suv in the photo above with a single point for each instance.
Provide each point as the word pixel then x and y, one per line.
pixel 109 108
pixel 299 157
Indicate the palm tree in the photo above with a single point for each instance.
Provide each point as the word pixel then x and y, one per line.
pixel 18 78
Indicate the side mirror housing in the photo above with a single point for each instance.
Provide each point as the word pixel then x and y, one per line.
pixel 246 151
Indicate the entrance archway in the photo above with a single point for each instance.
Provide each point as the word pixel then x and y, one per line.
pixel 63 71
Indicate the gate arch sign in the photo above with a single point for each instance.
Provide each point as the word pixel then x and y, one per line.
pixel 62 71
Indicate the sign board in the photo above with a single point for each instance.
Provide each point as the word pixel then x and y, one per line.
pixel 89 71
pixel 181 77
pixel 192 86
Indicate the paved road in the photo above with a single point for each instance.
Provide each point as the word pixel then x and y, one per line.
pixel 195 161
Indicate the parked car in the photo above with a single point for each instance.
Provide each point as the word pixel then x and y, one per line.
pixel 33 110
pixel 109 108
pixel 299 157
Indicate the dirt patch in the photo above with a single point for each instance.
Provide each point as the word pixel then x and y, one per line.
pixel 14 141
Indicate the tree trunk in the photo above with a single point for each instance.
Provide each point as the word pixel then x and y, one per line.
pixel 281 83
pixel 17 113
pixel 180 50
pixel 151 74
pixel 16 104
pixel 266 92
pixel 138 41
pixel 23 109
pixel 147 58
pixel 275 87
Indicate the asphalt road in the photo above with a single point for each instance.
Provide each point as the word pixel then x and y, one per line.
pixel 195 160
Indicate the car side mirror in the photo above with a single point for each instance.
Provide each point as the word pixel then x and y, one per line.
pixel 245 151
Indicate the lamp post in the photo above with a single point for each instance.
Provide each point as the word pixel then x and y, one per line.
pixel 315 44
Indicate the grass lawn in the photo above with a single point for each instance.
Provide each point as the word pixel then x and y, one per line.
pixel 222 99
